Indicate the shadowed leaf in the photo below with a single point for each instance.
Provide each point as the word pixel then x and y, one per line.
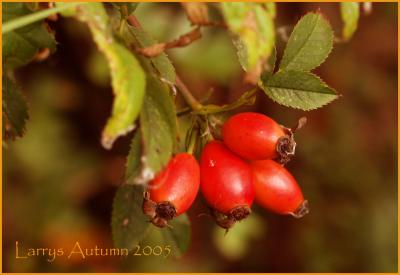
pixel 15 110
pixel 128 78
pixel 178 236
pixel 158 127
pixel 253 27
pixel 21 45
pixel 129 224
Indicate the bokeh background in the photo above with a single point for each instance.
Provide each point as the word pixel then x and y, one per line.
pixel 59 183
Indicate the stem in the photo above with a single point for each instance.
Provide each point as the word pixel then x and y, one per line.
pixel 31 18
pixel 192 143
pixel 187 95
pixel 124 11
pixel 182 41
pixel 184 111
pixel 205 128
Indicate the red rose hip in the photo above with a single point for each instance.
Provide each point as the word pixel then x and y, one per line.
pixel 255 136
pixel 173 190
pixel 277 190
pixel 226 183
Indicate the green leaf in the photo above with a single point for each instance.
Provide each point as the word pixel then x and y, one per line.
pixel 15 110
pixel 71 11
pixel 153 146
pixel 178 236
pixel 128 77
pixel 197 13
pixel 350 12
pixel 129 224
pixel 247 98
pixel 33 6
pixel 271 7
pixel 21 45
pixel 270 68
pixel 300 90
pixel 253 27
pixel 128 82
pixel 138 38
pixel 158 127
pixel 309 44
pixel 133 163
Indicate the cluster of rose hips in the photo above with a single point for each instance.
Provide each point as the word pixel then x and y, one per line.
pixel 246 166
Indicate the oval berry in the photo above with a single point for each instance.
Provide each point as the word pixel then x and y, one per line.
pixel 255 136
pixel 173 190
pixel 226 183
pixel 277 190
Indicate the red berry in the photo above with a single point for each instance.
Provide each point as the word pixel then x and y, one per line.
pixel 173 190
pixel 277 190
pixel 226 183
pixel 254 136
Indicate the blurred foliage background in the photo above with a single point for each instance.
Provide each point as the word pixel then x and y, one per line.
pixel 59 183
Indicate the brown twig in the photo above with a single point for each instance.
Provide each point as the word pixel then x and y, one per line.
pixel 219 24
pixel 187 95
pixel 181 41
pixel 132 20
pixel 197 13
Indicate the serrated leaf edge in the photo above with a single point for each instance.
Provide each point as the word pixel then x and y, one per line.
pixel 6 113
pixel 112 221
pixel 265 87
pixel 328 53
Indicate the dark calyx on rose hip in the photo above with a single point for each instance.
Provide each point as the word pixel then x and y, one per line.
pixel 255 136
pixel 173 190
pixel 226 184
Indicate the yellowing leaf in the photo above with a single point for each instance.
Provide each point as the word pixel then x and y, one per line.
pixel 128 82
pixel 350 12
pixel 196 12
pixel 128 78
pixel 271 7
pixel 253 26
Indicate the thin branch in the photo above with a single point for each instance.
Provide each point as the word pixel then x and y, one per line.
pixel 192 142
pixel 184 111
pixel 31 18
pixel 181 41
pixel 187 95
pixel 219 24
